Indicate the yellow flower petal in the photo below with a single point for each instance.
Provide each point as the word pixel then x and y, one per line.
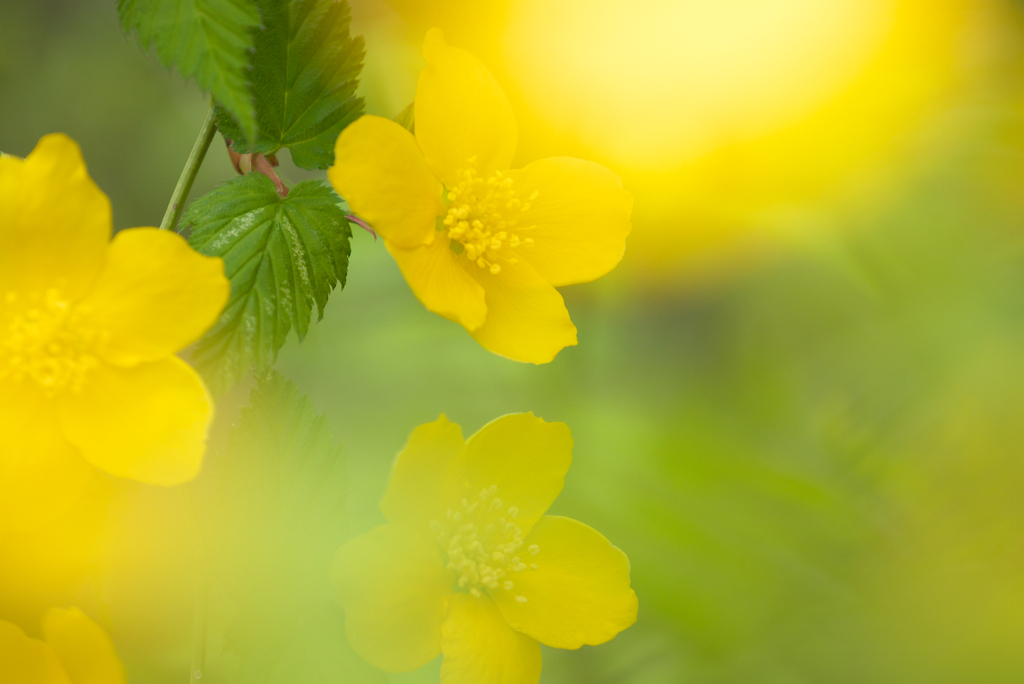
pixel 381 173
pixel 526 317
pixel 41 474
pixel 578 219
pixel 84 649
pixel 27 661
pixel 54 221
pixel 525 459
pixel 578 594
pixel 480 648
pixel 154 296
pixel 461 113
pixel 147 423
pixel 394 590
pixel 441 283
pixel 425 480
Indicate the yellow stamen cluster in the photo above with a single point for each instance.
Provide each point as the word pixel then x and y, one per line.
pixel 481 217
pixel 482 544
pixel 45 340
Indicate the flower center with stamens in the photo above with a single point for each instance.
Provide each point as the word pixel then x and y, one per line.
pixel 484 545
pixel 483 215
pixel 46 341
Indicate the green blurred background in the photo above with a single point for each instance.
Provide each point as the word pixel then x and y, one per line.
pixel 807 435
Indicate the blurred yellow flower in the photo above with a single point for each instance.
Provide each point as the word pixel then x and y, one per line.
pixel 478 243
pixel 88 331
pixel 749 127
pixel 76 651
pixel 469 566
pixel 743 128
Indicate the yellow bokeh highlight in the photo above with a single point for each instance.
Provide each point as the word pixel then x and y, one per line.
pixel 740 124
pixel 671 81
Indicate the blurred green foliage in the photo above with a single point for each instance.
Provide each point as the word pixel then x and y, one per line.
pixel 814 468
pixel 275 498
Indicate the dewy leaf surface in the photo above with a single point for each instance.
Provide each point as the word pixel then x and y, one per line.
pixel 209 40
pixel 282 256
pixel 276 505
pixel 305 72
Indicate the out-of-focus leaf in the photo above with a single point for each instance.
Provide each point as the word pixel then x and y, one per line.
pixel 276 502
pixel 305 72
pixel 209 40
pixel 407 118
pixel 283 454
pixel 281 255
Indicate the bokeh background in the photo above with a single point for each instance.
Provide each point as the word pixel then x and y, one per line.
pixel 798 405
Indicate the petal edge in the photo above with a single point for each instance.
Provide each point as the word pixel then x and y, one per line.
pixel 27 660
pixel 526 317
pixel 84 649
pixel 439 281
pixel 461 112
pixel 381 173
pixel 424 479
pixel 147 423
pixel 525 458
pixel 579 592
pixel 480 648
pixel 394 590
pixel 56 221
pixel 154 296
pixel 580 219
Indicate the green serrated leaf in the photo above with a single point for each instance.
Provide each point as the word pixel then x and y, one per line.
pixel 407 118
pixel 282 256
pixel 209 40
pixel 276 506
pixel 305 72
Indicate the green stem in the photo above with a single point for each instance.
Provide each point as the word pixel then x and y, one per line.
pixel 188 174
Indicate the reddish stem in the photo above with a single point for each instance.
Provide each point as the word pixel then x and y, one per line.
pixel 247 163
pixel 362 224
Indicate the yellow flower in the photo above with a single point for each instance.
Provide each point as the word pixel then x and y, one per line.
pixel 76 651
pixel 478 243
pixel 469 565
pixel 88 331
